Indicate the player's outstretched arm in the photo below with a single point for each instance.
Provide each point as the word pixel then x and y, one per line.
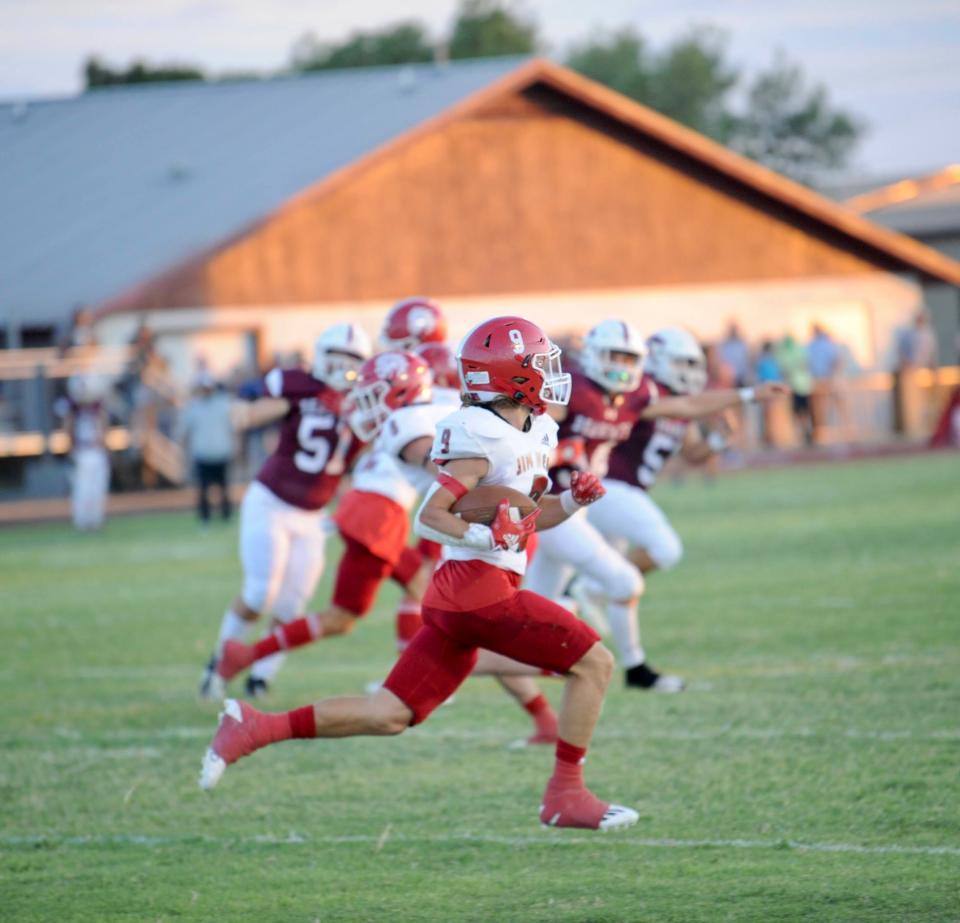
pixel 694 406
pixel 585 488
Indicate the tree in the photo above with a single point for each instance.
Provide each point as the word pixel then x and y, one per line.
pixel 783 124
pixel 488 28
pixel 402 43
pixel 691 81
pixel 792 128
pixel 97 74
pixel 619 61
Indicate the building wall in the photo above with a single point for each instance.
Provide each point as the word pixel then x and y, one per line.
pixel 520 199
pixel 863 311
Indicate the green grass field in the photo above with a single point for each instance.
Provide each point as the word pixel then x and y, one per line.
pixel 810 773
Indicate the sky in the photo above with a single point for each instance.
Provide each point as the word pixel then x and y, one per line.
pixel 895 63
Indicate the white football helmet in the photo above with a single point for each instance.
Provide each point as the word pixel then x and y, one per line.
pixel 338 354
pixel 619 374
pixel 676 360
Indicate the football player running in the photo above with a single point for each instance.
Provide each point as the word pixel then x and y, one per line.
pixel 500 437
pixel 391 408
pixel 394 388
pixel 611 397
pixel 282 530
pixel 418 325
pixel 627 516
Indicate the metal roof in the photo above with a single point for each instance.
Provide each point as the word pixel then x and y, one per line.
pixel 99 191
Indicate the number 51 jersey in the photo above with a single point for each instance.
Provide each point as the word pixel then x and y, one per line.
pixel 316 446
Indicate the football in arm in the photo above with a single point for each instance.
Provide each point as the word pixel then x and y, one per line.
pixel 480 504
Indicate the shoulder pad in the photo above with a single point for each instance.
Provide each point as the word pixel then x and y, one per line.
pixel 406 424
pixel 483 423
pixel 458 437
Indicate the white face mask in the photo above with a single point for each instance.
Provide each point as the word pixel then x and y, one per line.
pixel 366 410
pixel 336 369
pixel 689 375
pixel 557 384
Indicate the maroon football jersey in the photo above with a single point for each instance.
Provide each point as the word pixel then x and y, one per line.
pixel 637 461
pixel 315 448
pixel 596 422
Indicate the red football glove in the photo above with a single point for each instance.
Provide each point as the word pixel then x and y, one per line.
pixel 586 487
pixel 509 534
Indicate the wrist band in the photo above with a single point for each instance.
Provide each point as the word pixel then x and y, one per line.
pixel 570 506
pixel 747 395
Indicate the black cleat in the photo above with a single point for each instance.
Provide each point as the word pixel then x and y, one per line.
pixel 211 684
pixel 256 688
pixel 643 676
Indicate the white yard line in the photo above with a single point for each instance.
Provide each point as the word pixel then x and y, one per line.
pixel 71 738
pixel 547 838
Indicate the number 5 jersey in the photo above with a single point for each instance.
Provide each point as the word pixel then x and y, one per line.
pixel 316 445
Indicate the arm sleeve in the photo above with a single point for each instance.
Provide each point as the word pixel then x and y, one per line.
pixel 291 384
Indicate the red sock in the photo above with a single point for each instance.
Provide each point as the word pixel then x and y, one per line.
pixel 303 723
pixel 409 622
pixel 290 634
pixel 542 714
pixel 274 726
pixel 568 769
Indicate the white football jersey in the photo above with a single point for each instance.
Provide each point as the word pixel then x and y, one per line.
pixel 382 471
pixel 517 459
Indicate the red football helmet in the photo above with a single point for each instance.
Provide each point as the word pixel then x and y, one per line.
pixel 442 362
pixel 411 322
pixel 387 381
pixel 512 357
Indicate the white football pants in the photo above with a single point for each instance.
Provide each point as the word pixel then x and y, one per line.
pixel 282 552
pixel 90 481
pixel 576 546
pixel 627 515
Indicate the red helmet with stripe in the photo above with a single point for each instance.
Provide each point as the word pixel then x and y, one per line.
pixel 512 357
pixel 386 382
pixel 411 322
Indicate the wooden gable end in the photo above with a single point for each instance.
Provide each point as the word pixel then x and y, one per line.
pixel 532 193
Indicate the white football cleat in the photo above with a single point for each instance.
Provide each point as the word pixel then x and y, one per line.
pixel 230 738
pixel 618 817
pixel 665 682
pixel 644 677
pixel 212 768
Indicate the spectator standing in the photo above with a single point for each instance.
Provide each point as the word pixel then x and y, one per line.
pixel 824 361
pixel 792 358
pixel 774 416
pixel 735 353
pixel 85 421
pixel 915 349
pixel 767 367
pixel 916 345
pixel 205 429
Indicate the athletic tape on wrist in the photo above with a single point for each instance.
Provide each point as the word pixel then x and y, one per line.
pixel 570 506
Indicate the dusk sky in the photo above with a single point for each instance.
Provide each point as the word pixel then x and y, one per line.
pixel 896 63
